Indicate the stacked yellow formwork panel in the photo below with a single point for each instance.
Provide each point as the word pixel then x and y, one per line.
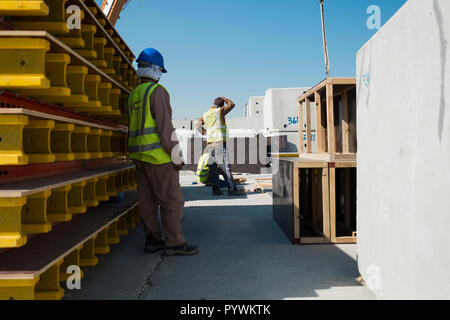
pixel 86 71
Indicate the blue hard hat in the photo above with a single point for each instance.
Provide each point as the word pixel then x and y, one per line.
pixel 152 56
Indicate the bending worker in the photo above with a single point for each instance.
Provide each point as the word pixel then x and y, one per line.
pixel 203 171
pixel 217 133
pixel 152 142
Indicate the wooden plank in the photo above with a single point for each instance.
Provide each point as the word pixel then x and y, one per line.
pixel 300 128
pixel 313 90
pixel 345 123
pixel 323 157
pixel 332 206
pixel 308 126
pixel 332 81
pixel 343 81
pixel 307 163
pixel 331 133
pixel 296 196
pixel 46 249
pixel 27 188
pixel 315 199
pixel 326 203
pixel 285 155
pixel 43 115
pixel 353 144
pixel 320 129
pixel 319 201
pixel 345 163
pixel 344 157
pixel 313 240
pixel 344 240
pixel 341 160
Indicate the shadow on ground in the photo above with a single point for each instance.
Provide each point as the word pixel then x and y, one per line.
pixel 244 255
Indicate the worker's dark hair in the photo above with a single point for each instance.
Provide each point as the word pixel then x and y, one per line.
pixel 219 102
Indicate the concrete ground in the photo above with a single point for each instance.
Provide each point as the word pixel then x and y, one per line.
pixel 244 255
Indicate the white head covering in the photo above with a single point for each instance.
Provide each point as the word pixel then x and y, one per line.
pixel 152 71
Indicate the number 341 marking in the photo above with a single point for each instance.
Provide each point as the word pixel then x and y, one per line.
pixel 292 120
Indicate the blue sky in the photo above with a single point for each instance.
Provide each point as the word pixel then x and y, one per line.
pixel 240 48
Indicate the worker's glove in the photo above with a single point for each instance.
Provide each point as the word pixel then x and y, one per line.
pixel 178 167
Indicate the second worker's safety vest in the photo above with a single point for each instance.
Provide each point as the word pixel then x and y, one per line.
pixel 144 143
pixel 203 169
pixel 216 130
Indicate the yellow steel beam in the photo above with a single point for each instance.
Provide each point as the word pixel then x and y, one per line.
pixel 22 63
pixel 72 259
pixel 11 225
pixel 89 193
pixel 58 205
pixel 18 289
pixel 36 141
pixel 101 244
pixel 87 254
pixel 11 140
pixel 61 137
pixel 55 22
pixel 48 287
pixel 34 214
pixel 23 8
pixel 113 235
pixel 76 201
pixel 79 143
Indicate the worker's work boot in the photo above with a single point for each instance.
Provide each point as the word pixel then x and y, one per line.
pixel 152 245
pixel 217 191
pixel 235 193
pixel 183 250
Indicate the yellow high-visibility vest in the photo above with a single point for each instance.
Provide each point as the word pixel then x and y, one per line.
pixel 216 130
pixel 144 143
pixel 203 168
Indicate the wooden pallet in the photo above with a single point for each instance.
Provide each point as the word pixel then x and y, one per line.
pixel 335 109
pixel 287 205
pixel 307 201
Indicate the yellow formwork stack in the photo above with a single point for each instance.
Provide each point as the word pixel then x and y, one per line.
pixel 47 61
pixel 34 211
pixel 81 77
pixel 26 140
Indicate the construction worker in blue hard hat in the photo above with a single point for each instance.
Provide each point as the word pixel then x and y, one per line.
pixel 155 151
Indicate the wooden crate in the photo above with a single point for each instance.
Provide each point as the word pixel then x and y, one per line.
pixel 335 109
pixel 299 190
pixel 314 202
